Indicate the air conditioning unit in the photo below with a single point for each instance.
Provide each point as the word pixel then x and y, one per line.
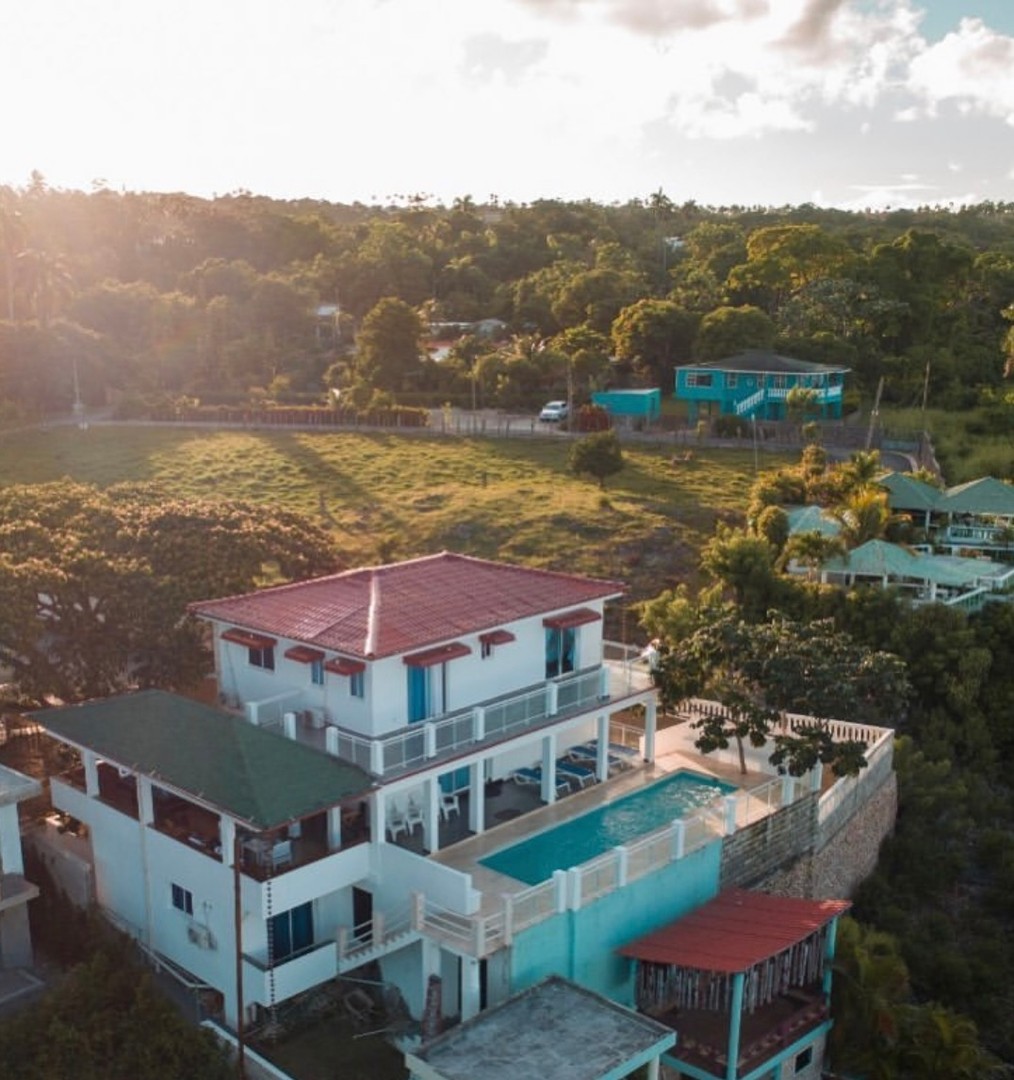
pixel 201 937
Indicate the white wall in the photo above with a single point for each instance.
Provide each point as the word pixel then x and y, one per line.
pixel 10 840
pixel 470 679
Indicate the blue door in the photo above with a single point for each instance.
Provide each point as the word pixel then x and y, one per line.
pixel 418 694
pixel 561 649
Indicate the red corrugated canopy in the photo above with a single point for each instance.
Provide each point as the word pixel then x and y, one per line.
pixel 735 931
pixel 340 665
pixel 441 654
pixel 248 639
pixel 303 654
pixel 579 617
pixel 497 637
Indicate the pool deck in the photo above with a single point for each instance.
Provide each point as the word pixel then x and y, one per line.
pixel 466 856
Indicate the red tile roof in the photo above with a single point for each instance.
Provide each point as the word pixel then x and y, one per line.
pixel 735 931
pixel 385 610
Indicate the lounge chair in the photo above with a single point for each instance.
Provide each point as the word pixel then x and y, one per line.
pixel 533 776
pixel 589 752
pixel 572 771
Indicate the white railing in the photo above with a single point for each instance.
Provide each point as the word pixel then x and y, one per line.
pixel 748 404
pixel 533 906
pixel 375 934
pixel 427 740
pixel 268 712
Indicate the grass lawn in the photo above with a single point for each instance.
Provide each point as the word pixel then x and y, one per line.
pixel 387 497
pixel 969 444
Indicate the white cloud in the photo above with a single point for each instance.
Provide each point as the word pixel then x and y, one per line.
pixel 972 67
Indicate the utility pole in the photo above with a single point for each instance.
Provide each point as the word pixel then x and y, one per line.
pixel 874 413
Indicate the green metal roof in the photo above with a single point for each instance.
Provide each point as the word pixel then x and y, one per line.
pixel 259 777
pixel 804 519
pixel 985 496
pixel 878 558
pixel 905 492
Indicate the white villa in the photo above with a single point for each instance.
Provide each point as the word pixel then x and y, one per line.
pixel 380 735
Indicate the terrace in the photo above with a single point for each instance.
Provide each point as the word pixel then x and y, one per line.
pixel 615 685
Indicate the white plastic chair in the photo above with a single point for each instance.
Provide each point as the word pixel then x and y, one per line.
pixel 449 804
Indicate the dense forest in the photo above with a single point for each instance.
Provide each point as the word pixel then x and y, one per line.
pixel 137 298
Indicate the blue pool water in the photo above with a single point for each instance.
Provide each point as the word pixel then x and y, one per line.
pixel 575 842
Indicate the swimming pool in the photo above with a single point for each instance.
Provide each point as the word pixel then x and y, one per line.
pixel 577 841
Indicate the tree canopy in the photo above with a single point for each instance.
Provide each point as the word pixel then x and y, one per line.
pixel 94 584
pixel 156 295
pixel 760 673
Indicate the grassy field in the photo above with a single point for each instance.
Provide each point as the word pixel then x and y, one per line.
pixel 388 497
pixel 968 444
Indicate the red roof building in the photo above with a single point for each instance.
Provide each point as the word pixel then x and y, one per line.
pixel 746 978
pixel 383 611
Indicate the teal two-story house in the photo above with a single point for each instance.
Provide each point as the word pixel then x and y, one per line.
pixel 757 384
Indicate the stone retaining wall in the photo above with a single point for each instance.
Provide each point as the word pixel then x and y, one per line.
pixel 781 854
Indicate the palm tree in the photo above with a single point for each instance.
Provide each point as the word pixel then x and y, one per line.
pixel 862 469
pixel 870 986
pixel 811 548
pixel 939 1044
pixel 12 235
pixel 46 280
pixel 863 516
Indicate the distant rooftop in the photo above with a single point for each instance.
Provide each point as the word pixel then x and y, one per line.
pixel 764 361
pixel 386 610
pixel 554 1029
pixel 262 779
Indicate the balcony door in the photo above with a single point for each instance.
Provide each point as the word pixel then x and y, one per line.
pixel 561 649
pixel 427 692
pixel 292 931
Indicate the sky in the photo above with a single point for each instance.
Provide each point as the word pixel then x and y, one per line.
pixel 846 103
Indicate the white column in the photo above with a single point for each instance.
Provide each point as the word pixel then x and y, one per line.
pixel 470 999
pixel 431 814
pixel 549 768
pixel 334 828
pixel 653 1072
pixel 602 748
pixel 378 818
pixel 476 797
pixel 227 838
pixel 650 727
pixel 145 802
pixel 91 771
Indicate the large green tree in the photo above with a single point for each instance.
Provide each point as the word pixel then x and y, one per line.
pixel 762 672
pixel 389 347
pixel 94 584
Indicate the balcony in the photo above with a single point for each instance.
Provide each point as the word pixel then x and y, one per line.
pixel 612 686
pixel 979 537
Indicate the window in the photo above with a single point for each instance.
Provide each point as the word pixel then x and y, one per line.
pixel 803 1059
pixel 357 684
pixel 485 649
pixel 183 899
pixel 263 658
pixel 731 380
pixel 317 672
pixel 292 931
pixel 699 378
pixel 561 647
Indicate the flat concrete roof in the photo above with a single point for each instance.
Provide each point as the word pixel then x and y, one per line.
pixel 554 1029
